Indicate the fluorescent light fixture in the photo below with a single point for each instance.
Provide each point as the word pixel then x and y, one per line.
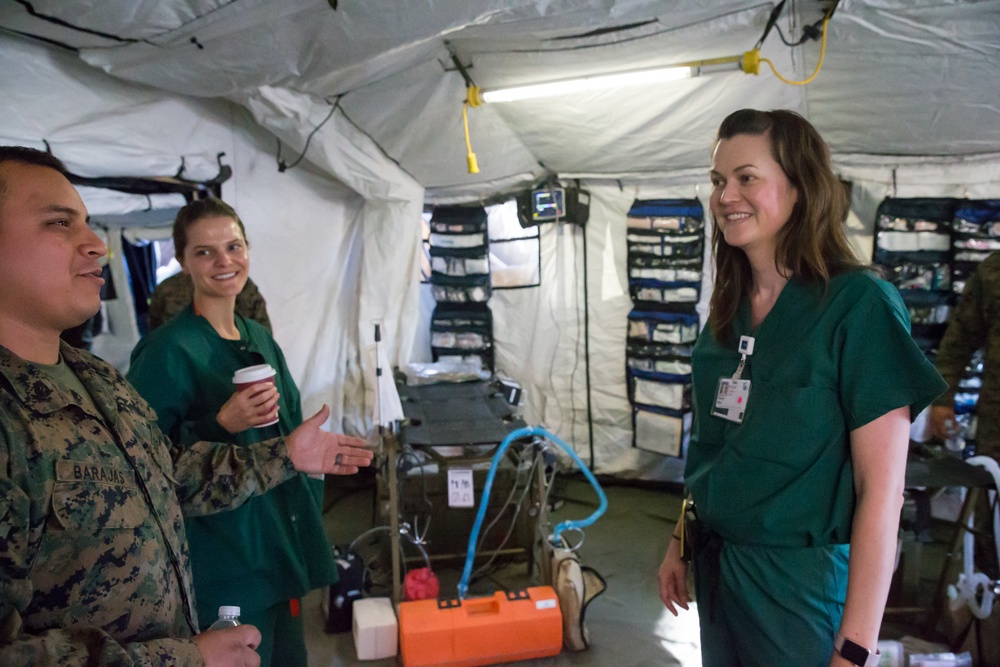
pixel 747 62
pixel 570 86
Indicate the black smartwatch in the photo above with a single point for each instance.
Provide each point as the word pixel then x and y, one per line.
pixel 854 653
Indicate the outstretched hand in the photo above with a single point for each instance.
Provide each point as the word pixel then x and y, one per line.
pixel 314 450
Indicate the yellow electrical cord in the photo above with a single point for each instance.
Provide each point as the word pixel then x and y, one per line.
pixel 470 156
pixel 819 65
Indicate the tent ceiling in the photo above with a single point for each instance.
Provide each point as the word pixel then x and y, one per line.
pixel 900 77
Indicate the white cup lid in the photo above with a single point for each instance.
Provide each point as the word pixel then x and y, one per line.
pixel 253 373
pixel 229 611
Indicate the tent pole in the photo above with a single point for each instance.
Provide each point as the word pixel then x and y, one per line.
pixel 586 346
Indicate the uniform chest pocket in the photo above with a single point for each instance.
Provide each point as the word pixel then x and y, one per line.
pixel 90 497
pixel 791 426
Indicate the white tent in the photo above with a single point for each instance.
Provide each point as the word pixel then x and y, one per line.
pixel 370 95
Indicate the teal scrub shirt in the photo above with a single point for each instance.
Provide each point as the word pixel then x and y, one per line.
pixel 778 488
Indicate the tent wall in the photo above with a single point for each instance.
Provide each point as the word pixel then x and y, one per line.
pixel 375 117
pixel 540 331
pixel 312 237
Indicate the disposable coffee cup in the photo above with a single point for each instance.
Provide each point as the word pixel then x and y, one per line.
pixel 251 375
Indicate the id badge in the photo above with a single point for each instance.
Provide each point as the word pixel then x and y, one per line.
pixel 731 399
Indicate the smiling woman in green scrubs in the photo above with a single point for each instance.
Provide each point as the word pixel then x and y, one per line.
pixel 804 384
pixel 269 552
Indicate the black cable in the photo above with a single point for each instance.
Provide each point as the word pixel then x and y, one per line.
pixel 576 347
pixel 617 42
pixel 510 496
pixel 28 35
pixel 813 31
pixel 469 83
pixel 282 167
pixel 57 21
pixel 483 569
pixel 771 21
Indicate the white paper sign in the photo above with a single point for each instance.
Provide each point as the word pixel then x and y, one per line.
pixel 460 489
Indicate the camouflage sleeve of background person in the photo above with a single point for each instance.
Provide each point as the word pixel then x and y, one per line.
pixel 175 293
pixel 169 298
pixel 969 326
pixel 250 304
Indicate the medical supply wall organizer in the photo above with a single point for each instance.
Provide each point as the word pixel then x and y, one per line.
pixel 928 248
pixel 913 246
pixel 462 323
pixel 506 626
pixel 666 245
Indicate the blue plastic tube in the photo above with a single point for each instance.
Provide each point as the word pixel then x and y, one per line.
pixel 463 585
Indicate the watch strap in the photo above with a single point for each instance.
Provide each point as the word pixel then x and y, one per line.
pixel 855 653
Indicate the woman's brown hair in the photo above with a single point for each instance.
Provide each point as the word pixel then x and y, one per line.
pixel 812 245
pixel 195 211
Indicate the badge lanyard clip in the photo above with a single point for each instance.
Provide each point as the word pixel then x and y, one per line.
pixel 746 349
pixel 731 397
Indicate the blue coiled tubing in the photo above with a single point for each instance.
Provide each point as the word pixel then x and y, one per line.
pixel 463 585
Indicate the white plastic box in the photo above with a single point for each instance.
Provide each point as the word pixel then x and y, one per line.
pixel 376 631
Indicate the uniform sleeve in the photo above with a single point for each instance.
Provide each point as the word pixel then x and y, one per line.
pixel 250 304
pixel 965 334
pixel 156 314
pixel 213 477
pixel 77 646
pixel 169 298
pixel 881 367
pixel 210 476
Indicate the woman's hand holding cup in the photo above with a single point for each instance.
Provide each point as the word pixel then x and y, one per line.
pixel 255 402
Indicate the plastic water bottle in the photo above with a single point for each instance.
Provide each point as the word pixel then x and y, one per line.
pixel 229 617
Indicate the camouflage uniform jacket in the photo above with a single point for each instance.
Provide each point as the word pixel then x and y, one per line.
pixel 976 324
pixel 93 556
pixel 176 293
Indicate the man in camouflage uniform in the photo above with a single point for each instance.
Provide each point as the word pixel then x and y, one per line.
pixel 175 294
pixel 93 557
pixel 975 324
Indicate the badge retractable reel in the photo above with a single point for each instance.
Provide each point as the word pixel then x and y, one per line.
pixel 732 394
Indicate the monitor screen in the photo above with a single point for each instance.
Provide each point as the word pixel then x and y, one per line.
pixel 548 204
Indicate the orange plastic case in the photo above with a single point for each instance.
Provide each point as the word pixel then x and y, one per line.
pixel 508 626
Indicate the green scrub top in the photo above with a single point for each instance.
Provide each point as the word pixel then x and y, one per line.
pixel 822 366
pixel 273 547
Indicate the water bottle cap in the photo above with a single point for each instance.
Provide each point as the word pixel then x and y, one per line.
pixel 229 611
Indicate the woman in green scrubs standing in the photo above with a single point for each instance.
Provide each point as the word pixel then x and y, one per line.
pixel 269 552
pixel 804 384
